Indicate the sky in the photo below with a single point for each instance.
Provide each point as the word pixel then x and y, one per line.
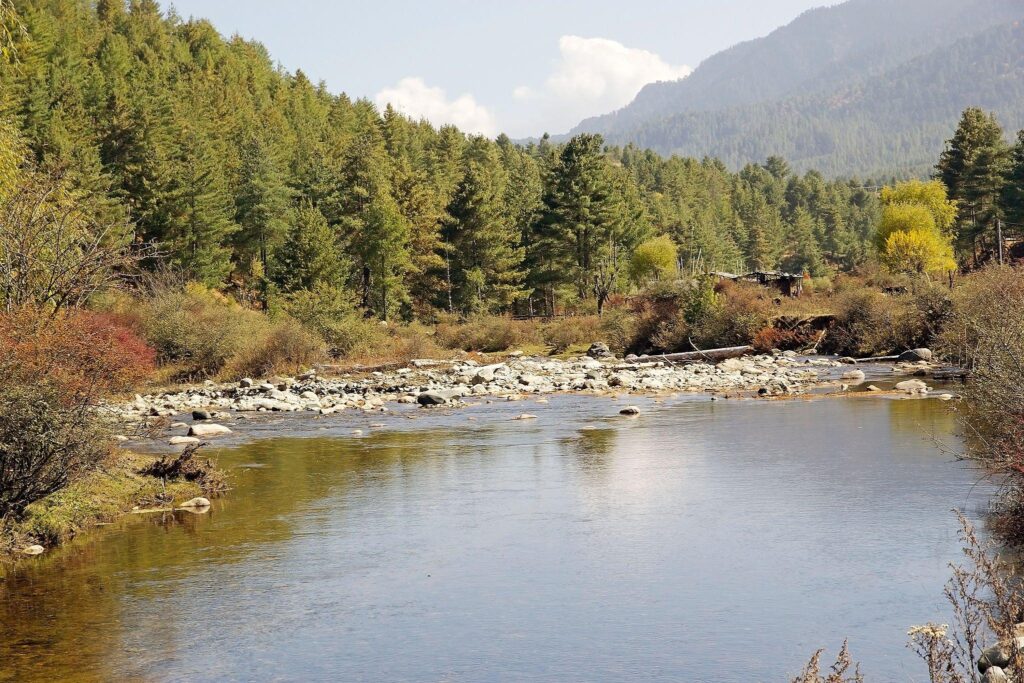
pixel 522 67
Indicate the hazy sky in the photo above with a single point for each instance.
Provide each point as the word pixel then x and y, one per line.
pixel 517 66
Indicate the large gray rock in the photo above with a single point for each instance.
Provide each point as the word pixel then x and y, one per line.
pixel 208 430
pixel 201 415
pixel 914 355
pixel 183 441
pixel 437 398
pixel 911 385
pixel 599 350
pixel 854 375
pixel 996 656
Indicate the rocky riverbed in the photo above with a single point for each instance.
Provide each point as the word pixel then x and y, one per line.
pixel 431 383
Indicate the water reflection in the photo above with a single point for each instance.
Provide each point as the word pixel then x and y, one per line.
pixel 523 550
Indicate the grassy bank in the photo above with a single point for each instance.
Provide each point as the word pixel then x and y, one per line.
pixel 113 489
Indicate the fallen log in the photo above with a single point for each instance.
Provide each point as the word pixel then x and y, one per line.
pixel 709 355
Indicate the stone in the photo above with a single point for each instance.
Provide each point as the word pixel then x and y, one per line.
pixel 183 441
pixel 945 397
pixel 436 398
pixel 872 387
pixel 33 550
pixel 197 502
pixel 914 355
pixel 630 410
pixel 911 385
pixel 208 430
pixel 599 350
pixel 994 656
pixel 854 375
pixel 246 382
pixel 201 415
pixel 525 416
pixel 846 360
pixel 994 674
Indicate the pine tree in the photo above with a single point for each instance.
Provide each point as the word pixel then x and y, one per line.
pixel 1012 199
pixel 484 252
pixel 309 257
pixel 261 203
pixel 972 168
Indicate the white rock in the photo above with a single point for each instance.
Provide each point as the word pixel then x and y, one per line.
pixel 33 550
pixel 208 430
pixel 182 440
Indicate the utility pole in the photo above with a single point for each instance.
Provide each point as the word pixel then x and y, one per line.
pixel 999 237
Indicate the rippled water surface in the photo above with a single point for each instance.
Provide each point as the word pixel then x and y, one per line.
pixel 702 541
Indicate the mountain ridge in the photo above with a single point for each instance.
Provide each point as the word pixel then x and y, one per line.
pixel 836 51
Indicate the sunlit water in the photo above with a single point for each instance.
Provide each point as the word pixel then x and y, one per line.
pixel 699 542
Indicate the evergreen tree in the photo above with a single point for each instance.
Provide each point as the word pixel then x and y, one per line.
pixel 309 257
pixel 261 202
pixel 972 168
pixel 483 242
pixel 1012 199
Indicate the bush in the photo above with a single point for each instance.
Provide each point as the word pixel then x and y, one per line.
pixel 488 334
pixel 327 312
pixel 870 323
pixel 197 329
pixel 82 353
pixel 562 333
pixel 283 345
pixel 45 443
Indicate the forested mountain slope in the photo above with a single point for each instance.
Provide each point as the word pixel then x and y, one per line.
pixel 865 87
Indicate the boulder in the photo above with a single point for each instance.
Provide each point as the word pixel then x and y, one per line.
pixel 246 382
pixel 630 410
pixel 182 441
pixel 994 656
pixel 437 398
pixel 198 502
pixel 33 550
pixel 525 416
pixel 994 674
pixel 854 375
pixel 208 430
pixel 911 385
pixel 914 355
pixel 599 350
pixel 201 415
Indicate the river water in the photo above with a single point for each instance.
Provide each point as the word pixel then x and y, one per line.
pixel 701 541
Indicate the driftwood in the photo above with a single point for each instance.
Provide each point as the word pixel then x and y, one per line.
pixel 713 355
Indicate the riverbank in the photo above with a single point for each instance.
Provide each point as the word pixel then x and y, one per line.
pixel 440 382
pixel 122 485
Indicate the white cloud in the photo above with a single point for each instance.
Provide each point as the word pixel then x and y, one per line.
pixel 595 76
pixel 413 97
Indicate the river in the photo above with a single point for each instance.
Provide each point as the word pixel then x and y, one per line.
pixel 701 541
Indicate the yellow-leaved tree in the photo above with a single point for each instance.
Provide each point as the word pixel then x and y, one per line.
pixel 915 232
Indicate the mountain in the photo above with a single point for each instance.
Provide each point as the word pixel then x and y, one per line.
pixel 866 87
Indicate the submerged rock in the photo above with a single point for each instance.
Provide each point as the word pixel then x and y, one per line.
pixel 911 385
pixel 194 503
pixel 630 410
pixel 854 375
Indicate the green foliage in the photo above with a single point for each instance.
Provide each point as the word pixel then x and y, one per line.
pixel 310 256
pixel 972 167
pixel 654 259
pixel 914 231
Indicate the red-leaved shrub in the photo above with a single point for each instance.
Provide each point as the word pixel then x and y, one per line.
pixel 82 353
